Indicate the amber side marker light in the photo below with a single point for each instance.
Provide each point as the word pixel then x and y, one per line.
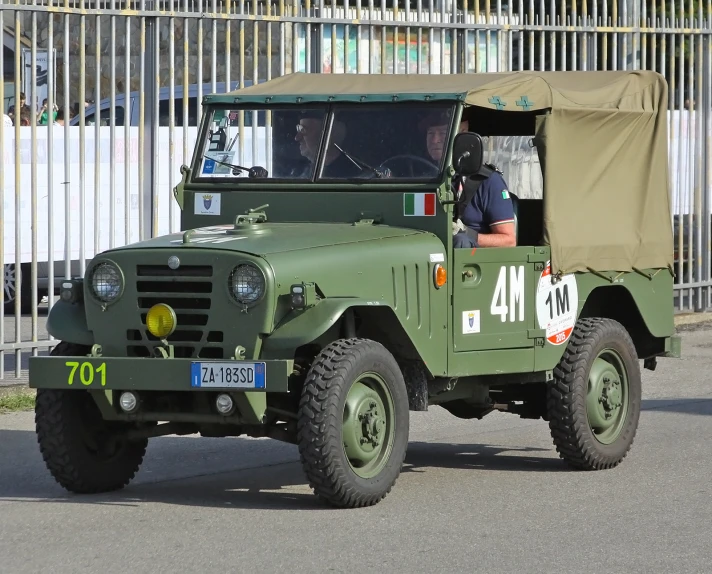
pixel 439 275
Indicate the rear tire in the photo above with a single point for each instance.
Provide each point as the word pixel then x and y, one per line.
pixel 81 450
pixel 593 402
pixel 353 423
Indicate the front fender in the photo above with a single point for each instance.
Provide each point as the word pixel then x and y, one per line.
pixel 298 329
pixel 68 322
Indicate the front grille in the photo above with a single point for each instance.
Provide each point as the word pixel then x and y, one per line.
pixel 188 291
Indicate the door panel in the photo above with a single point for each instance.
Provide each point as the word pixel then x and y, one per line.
pixel 493 298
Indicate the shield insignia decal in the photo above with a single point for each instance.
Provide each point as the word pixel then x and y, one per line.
pixel 207 201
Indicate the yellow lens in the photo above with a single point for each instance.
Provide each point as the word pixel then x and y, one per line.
pixel 161 320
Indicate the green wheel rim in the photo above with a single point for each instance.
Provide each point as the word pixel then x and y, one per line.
pixel 608 396
pixel 368 425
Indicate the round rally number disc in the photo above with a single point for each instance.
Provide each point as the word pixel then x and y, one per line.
pixel 556 306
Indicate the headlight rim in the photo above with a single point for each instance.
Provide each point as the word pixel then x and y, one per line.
pixel 89 281
pixel 230 292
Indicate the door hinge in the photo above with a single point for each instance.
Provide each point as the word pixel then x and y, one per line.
pixel 539 336
pixel 537 257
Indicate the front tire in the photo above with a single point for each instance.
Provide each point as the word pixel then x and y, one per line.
pixel 593 402
pixel 84 453
pixel 353 423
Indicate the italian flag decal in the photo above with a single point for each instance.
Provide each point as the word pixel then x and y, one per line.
pixel 418 204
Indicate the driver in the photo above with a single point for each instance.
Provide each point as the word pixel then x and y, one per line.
pixel 309 132
pixel 487 219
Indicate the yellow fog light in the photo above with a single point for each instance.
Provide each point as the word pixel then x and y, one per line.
pixel 161 320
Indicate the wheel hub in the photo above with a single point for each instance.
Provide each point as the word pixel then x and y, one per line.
pixel 610 396
pixel 372 425
pixel 367 426
pixel 606 398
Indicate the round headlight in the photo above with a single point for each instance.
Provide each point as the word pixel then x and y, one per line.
pixel 247 283
pixel 106 282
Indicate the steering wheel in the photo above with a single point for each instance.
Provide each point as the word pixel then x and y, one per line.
pixel 413 158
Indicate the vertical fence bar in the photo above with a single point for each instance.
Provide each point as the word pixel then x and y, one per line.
pixel 128 115
pixel 705 104
pixel 33 177
pixel 2 205
pixel 154 205
pixel 97 139
pixel 701 112
pixel 171 113
pixel 553 21
pixel 18 197
pixel 51 103
pixel 199 98
pixel 67 179
pixel 186 61
pixel 141 124
pixel 255 75
pixel 214 51
pixel 82 143
pixel 112 129
pixel 241 116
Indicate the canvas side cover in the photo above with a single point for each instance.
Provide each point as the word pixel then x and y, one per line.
pixel 606 198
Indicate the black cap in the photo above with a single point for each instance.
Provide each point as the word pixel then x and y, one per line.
pixel 436 118
pixel 317 114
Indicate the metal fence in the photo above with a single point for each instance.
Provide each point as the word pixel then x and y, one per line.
pixel 103 177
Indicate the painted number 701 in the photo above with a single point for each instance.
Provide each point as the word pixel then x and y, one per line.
pixel 87 373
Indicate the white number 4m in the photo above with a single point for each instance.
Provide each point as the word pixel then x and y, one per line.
pixel 516 294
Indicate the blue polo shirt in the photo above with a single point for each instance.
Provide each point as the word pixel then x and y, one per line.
pixel 490 205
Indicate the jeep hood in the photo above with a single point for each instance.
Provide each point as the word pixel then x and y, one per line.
pixel 266 238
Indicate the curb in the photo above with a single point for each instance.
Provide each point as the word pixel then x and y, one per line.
pixel 692 318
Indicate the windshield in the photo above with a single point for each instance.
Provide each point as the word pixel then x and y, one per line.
pixel 336 143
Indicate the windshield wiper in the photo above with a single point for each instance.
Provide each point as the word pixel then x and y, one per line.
pixel 360 163
pixel 252 172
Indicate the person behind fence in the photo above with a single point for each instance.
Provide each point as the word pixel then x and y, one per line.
pixel 484 215
pixel 336 164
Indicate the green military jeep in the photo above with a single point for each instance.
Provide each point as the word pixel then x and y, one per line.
pixel 315 295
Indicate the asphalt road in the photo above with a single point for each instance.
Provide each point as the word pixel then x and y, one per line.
pixel 474 496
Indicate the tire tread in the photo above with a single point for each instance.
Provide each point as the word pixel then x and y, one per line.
pixel 566 396
pixel 319 426
pixel 56 437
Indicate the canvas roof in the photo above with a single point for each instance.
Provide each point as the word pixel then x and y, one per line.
pixel 602 141
pixel 543 89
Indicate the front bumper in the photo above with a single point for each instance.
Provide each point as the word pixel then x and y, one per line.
pixel 176 390
pixel 151 374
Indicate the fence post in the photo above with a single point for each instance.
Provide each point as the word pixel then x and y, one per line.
pixel 150 124
pixel 703 109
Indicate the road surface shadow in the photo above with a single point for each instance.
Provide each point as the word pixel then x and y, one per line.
pixel 458 456
pixel 695 406
pixel 235 473
pixel 261 474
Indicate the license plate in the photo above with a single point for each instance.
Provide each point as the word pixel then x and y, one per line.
pixel 228 375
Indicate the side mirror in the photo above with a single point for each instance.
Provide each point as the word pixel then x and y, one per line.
pixel 467 153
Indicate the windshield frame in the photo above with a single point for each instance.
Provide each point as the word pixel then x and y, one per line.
pixel 316 181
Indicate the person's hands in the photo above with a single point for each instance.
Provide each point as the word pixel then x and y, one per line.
pixel 457 226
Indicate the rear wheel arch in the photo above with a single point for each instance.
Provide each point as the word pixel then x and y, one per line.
pixel 617 303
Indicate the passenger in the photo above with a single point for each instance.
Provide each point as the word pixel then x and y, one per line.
pixel 336 164
pixel 487 218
